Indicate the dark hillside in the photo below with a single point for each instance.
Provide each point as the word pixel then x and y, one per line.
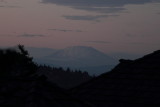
pixel 64 78
pixel 20 86
pixel 131 83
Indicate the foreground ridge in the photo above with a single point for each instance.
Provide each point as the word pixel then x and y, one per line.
pixel 131 83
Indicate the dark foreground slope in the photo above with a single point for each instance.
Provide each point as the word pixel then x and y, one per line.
pixel 129 84
pixel 21 87
pixel 35 92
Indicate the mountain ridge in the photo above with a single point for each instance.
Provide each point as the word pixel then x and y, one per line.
pixel 80 57
pixel 131 83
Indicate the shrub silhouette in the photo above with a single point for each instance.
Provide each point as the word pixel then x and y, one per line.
pixel 15 63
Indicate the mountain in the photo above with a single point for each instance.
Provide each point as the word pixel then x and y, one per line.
pixel 131 83
pixel 79 57
pixel 20 86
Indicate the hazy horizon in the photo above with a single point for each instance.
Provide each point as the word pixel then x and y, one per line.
pixel 124 26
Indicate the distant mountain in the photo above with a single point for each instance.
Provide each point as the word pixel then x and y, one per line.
pixel 80 57
pixel 20 86
pixel 132 83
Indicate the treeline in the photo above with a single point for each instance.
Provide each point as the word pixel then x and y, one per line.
pixel 65 78
pixel 17 63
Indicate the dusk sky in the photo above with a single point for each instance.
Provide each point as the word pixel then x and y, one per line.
pixel 129 26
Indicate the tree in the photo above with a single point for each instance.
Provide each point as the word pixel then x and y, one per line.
pixel 15 63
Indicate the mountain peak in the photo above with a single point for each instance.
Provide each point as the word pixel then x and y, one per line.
pixel 82 53
pixel 81 49
pixel 75 52
pixel 84 58
pixel 81 57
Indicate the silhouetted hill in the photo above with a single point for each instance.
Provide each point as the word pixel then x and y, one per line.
pixel 35 92
pixel 131 83
pixel 64 78
pixel 20 86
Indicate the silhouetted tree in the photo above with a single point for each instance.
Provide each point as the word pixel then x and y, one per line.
pixel 15 63
pixel 23 51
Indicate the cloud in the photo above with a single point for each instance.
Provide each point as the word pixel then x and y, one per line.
pixel 31 35
pixel 6 4
pixel 136 43
pixel 100 42
pixel 97 3
pixel 88 17
pixel 103 9
pixel 9 6
pixel 65 30
pixel 103 6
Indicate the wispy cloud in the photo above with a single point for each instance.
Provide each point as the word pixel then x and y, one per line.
pixel 9 6
pixel 31 35
pixel 141 43
pixel 103 6
pixel 100 42
pixel 65 30
pixel 103 9
pixel 88 17
pixel 97 3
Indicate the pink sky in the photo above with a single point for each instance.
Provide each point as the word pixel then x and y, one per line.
pixel 58 25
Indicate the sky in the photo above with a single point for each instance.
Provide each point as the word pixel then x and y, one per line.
pixel 128 26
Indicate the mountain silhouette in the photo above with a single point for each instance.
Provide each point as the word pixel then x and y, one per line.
pixel 20 86
pixel 131 83
pixel 35 92
pixel 80 57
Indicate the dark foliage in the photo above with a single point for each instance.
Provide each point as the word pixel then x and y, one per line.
pixel 21 86
pixel 24 84
pixel 64 78
pixel 16 63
